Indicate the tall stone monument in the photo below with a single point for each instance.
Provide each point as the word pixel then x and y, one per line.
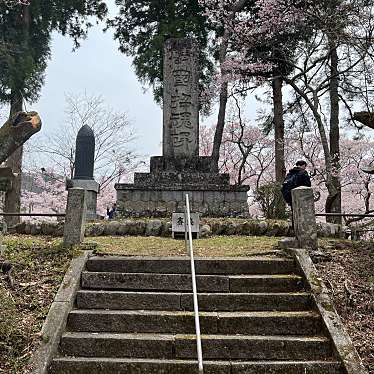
pixel 84 169
pixel 180 169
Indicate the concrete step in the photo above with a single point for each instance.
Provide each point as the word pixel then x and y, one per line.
pixel 222 347
pixel 182 282
pixel 178 322
pixel 102 365
pixel 96 299
pixel 181 265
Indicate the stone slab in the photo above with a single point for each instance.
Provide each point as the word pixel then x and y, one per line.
pixel 289 367
pixel 141 321
pixel 96 299
pixel 181 265
pixel 163 202
pixel 84 365
pixel 265 283
pixel 88 299
pixel 171 178
pixel 183 187
pixel 149 281
pixel 242 347
pixel 249 301
pixel 117 345
pixel 269 323
pixel 200 164
pixel 86 184
pixel 182 322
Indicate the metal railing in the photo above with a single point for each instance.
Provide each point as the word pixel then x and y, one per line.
pixel 359 215
pixel 189 246
pixel 32 214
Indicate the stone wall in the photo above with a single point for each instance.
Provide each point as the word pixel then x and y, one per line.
pixel 158 227
pixel 142 202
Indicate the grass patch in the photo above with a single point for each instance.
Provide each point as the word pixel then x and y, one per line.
pixel 220 246
pixel 39 265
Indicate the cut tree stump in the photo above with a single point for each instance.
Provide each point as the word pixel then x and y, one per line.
pixel 16 131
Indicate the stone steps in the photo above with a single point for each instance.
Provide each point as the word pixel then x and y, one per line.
pixel 182 282
pixel 256 323
pixel 237 347
pixel 130 300
pixel 84 365
pixel 134 315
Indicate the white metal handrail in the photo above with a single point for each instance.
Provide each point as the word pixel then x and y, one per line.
pixel 194 287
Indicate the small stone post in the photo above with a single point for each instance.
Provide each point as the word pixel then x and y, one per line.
pixel 304 217
pixel 75 216
pixel 84 169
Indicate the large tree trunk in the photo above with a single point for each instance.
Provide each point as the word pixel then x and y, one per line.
pixel 223 95
pixel 13 197
pixel 12 203
pixel 334 201
pixel 233 9
pixel 220 126
pixel 280 167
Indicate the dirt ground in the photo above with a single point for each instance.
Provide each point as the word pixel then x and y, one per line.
pixel 38 268
pixel 349 275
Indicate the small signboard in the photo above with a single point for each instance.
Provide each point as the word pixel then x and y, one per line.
pixel 178 224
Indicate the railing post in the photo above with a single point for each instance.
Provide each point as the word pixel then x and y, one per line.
pixel 304 217
pixel 75 218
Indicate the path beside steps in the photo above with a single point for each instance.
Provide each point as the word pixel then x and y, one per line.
pixel 135 315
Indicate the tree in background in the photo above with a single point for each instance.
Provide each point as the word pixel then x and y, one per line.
pixel 141 28
pixel 114 157
pixel 326 31
pixel 25 36
pixel 44 191
pixel 261 60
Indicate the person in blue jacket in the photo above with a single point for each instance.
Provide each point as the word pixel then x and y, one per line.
pixel 111 213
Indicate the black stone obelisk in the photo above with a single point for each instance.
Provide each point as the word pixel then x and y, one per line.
pixel 84 169
pixel 85 154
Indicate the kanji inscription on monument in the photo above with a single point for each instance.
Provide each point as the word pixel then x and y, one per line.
pixel 181 99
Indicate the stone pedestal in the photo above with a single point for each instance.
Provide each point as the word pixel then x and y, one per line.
pixel 75 216
pixel 92 189
pixel 304 217
pixel 161 200
pixel 180 170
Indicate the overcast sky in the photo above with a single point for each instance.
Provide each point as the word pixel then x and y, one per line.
pixel 97 67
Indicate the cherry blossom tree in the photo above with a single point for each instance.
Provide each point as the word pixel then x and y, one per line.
pixel 330 40
pixel 114 156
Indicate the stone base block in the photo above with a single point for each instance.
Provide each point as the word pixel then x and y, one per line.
pixel 200 164
pixel 92 189
pixel 134 201
pixel 174 178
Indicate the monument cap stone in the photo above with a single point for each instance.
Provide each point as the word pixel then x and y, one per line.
pixel 85 153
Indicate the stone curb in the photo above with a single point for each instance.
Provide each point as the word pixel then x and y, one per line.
pixel 55 322
pixel 341 340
